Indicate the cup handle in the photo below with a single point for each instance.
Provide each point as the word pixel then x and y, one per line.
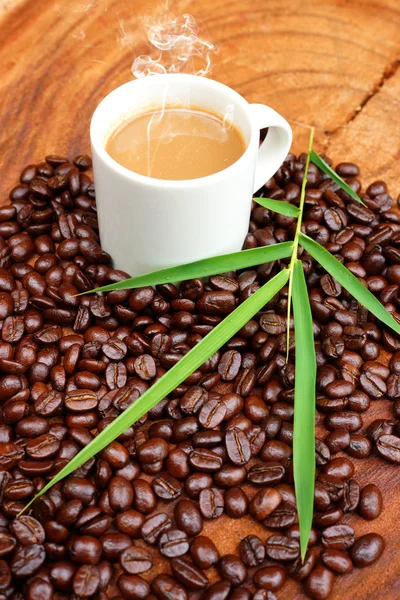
pixel 276 145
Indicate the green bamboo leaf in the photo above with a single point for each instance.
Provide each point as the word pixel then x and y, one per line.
pixel 178 373
pixel 321 164
pixel 304 406
pixel 278 206
pixel 349 281
pixel 204 267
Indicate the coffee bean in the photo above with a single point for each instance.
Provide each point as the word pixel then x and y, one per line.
pixel 188 574
pixel 205 460
pixel 81 400
pixel 28 530
pixel 135 560
pixel 188 518
pixel 319 583
pixel 338 537
pixel 337 560
pixel 388 447
pixel 268 473
pixel 86 581
pixel 166 487
pixel 301 569
pixel 238 446
pixel 167 588
pixel 231 568
pixel 27 560
pixel 173 543
pixel 281 547
pixel 216 303
pixel 264 503
pixel 251 551
pixel 229 365
pixel 212 413
pixel 270 578
pixel 155 526
pixel 367 549
pixel 351 496
pixel 373 385
pixel 378 428
pixel 370 505
pixel 133 587
pixel 340 467
pixel 360 446
pixel 211 503
pixel 236 503
pixel 350 421
pixel 203 552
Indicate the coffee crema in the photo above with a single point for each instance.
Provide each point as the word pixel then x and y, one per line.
pixel 175 143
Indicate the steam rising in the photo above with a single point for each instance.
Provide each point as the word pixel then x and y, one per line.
pixel 177 45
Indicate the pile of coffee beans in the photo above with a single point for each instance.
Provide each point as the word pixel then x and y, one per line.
pixel 132 523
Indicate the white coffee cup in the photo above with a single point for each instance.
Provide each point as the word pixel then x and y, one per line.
pixel 148 224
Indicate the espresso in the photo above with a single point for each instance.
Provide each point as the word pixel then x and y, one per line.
pixel 175 143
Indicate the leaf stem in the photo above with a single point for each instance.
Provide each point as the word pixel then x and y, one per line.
pixel 297 237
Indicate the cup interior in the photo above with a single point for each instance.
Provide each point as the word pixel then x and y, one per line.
pixel 152 93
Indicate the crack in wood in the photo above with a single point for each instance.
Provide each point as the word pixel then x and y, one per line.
pixel 389 71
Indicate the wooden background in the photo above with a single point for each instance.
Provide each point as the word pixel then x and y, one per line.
pixel 328 63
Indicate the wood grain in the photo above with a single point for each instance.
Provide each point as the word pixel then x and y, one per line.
pixel 332 64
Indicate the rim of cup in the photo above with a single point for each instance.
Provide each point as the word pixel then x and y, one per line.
pixel 99 119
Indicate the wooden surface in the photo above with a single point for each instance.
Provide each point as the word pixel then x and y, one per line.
pixel 325 63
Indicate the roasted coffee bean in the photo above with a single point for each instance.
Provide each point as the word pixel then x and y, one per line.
pixel 360 446
pixel 188 518
pixel 388 447
pixel 350 421
pixel 203 552
pixel 230 476
pixel 27 560
pixel 155 526
pixel 85 550
pixel 351 496
pixel 231 568
pixel 238 446
pixel 264 503
pixel 373 385
pixel 113 544
pixel 337 560
pixel 212 413
pixel 338 537
pixel 270 578
pixel 173 543
pixel 205 460
pixel 188 574
pixel 380 427
pixel 28 530
pixel 167 588
pixel 367 549
pixel 341 468
pixel 144 498
pixel 135 560
pixel 281 547
pixel 229 365
pixel 268 473
pixel 133 587
pixel 211 503
pixel 86 581
pixel 236 503
pixel 166 487
pixel 251 551
pixel 319 583
pixel 370 505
